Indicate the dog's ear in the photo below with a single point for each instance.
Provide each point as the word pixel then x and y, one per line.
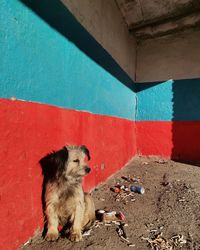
pixel 60 157
pixel 86 151
pixel 54 163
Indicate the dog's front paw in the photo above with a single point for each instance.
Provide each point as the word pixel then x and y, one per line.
pixel 52 235
pixel 75 237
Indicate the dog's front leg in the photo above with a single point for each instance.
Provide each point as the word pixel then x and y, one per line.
pixel 75 234
pixel 52 219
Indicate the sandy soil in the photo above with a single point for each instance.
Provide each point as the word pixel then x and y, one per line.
pixel 169 207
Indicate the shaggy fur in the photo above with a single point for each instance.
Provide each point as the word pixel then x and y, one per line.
pixel 65 201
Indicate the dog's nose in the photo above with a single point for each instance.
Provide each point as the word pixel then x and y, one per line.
pixel 87 169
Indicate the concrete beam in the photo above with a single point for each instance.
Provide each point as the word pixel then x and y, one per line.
pixel 169 27
pixel 139 13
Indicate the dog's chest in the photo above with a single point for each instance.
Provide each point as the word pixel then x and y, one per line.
pixel 67 204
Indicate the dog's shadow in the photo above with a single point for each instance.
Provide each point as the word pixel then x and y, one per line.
pixel 49 169
pixel 44 164
pixel 48 172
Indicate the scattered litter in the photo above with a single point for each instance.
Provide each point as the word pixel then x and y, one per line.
pixel 122 234
pixel 126 178
pixel 115 189
pixel 131 245
pixel 118 188
pixel 27 242
pixel 108 224
pixel 161 161
pixel 116 223
pixel 87 233
pixel 98 224
pixel 149 224
pixel 106 217
pixel 158 242
pixel 137 189
pixel 110 218
pixel 120 215
pixel 145 163
pixel 153 230
pixel 178 240
pixel 122 187
pixel 130 179
pixel 182 199
pixel 124 193
pixel 125 197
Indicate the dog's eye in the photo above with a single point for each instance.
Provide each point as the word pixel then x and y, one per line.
pixel 77 160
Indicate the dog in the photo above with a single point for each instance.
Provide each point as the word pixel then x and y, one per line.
pixel 65 202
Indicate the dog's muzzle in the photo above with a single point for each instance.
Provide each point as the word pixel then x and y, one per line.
pixel 87 169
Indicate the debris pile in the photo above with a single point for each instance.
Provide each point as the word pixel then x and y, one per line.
pixel 122 234
pixel 125 191
pixel 158 242
pixel 109 217
pixel 114 218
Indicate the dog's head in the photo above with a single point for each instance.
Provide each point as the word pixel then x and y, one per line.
pixel 70 161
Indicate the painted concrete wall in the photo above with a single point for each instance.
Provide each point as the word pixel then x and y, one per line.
pixel 58 86
pixel 28 132
pixel 104 21
pixel 168 100
pixel 170 57
pixel 55 69
pixel 172 100
pixel 168 119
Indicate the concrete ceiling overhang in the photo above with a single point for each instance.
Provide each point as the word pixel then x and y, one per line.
pixel 153 18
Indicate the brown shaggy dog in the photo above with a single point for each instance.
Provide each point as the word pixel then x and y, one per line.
pixel 64 199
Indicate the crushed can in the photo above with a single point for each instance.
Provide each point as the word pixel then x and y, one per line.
pixel 137 189
pixel 116 189
pixel 120 216
pixel 126 178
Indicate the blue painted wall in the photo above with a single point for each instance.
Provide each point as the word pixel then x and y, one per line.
pixel 42 62
pixel 48 57
pixel 154 101
pixel 172 100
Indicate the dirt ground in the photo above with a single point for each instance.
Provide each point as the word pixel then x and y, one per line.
pixel 170 207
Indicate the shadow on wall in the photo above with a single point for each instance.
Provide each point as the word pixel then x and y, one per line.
pixel 168 119
pixel 60 18
pixel 186 120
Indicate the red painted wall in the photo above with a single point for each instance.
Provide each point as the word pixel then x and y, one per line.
pixel 177 140
pixel 28 132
